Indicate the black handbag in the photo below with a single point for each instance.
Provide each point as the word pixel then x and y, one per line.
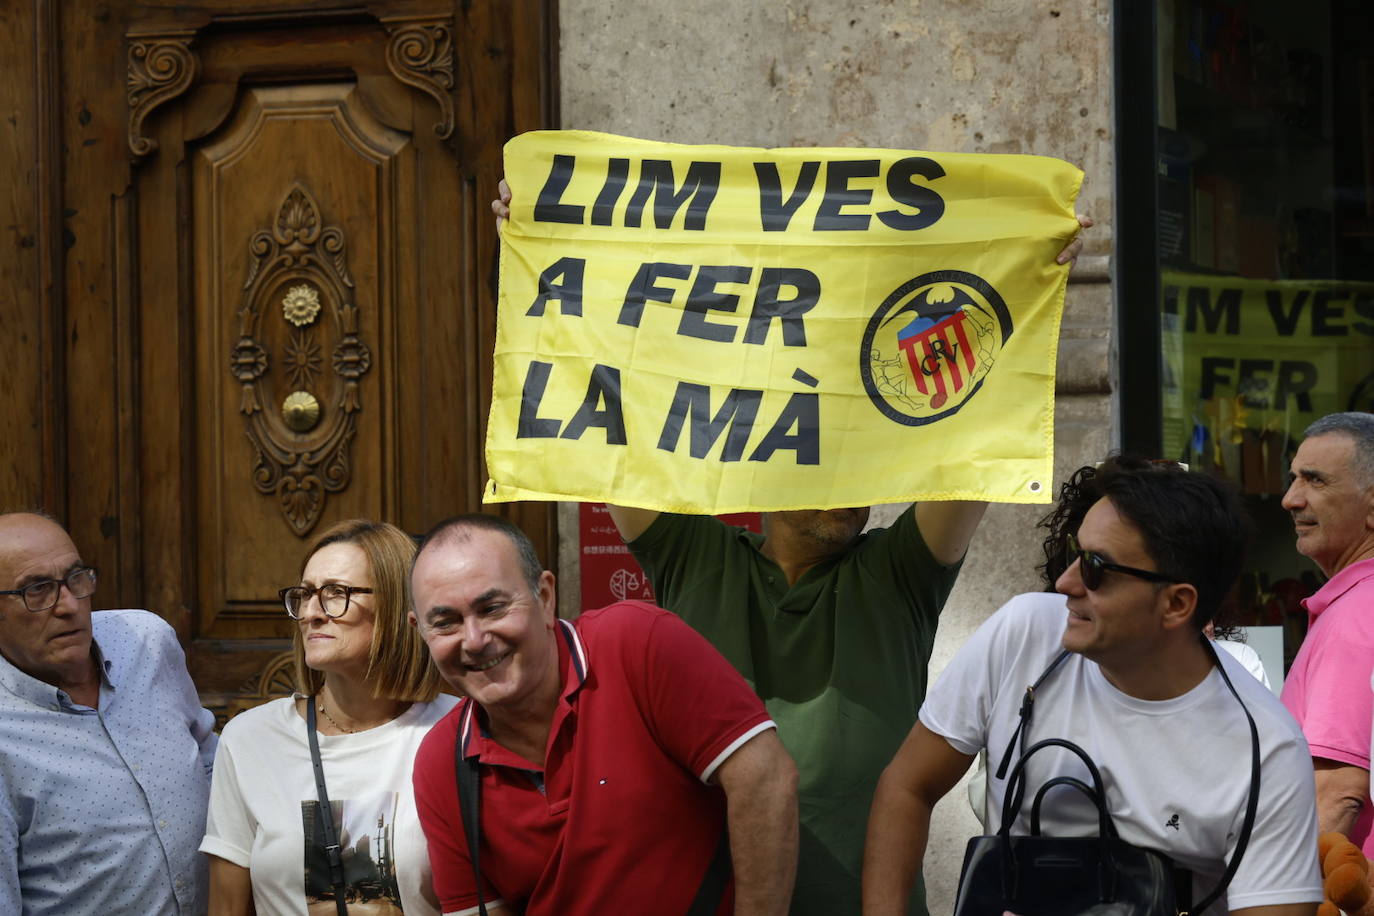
pixel 1039 875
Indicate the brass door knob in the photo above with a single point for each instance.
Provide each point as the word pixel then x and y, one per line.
pixel 300 411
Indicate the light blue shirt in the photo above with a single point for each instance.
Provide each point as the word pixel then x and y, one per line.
pixel 102 810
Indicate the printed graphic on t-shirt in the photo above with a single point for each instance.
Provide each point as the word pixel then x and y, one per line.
pixel 367 850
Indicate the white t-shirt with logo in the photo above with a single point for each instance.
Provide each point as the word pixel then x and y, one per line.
pixel 1177 771
pixel 263 801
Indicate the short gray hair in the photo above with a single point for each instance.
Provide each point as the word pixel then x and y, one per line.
pixel 1360 428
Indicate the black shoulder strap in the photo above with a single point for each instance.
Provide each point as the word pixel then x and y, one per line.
pixel 717 878
pixel 1027 710
pixel 331 840
pixel 709 894
pixel 469 805
pixel 1251 804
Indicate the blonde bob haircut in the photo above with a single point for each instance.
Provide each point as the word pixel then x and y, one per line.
pixel 398 665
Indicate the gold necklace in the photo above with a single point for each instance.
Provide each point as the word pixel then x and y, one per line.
pixel 319 704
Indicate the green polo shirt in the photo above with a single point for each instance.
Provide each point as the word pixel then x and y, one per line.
pixel 839 658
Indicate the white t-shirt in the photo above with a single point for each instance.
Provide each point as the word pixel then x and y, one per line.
pixel 263 794
pixel 1248 658
pixel 1177 772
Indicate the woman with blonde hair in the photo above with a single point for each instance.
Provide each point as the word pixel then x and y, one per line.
pixel 311 806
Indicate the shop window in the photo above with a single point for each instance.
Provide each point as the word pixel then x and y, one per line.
pixel 1246 256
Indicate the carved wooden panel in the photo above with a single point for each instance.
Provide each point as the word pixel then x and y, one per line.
pixel 161 67
pixel 297 273
pixel 189 182
pixel 420 54
pixel 295 292
pixel 277 679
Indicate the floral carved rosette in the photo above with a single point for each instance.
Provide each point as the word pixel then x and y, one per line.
pixel 298 305
pixel 301 305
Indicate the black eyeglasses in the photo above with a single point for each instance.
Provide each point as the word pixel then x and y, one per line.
pixel 43 594
pixel 334 598
pixel 1091 565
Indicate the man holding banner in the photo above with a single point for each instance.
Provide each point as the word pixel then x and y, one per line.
pixel 834 629
pixel 686 375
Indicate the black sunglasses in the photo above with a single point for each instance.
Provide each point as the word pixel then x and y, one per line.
pixel 1091 566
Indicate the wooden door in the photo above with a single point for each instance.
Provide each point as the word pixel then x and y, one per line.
pixel 273 302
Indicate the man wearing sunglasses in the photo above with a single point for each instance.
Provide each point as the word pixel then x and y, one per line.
pixel 1331 499
pixel 1143 555
pixel 105 751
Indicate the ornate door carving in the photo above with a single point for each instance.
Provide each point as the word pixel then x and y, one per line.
pixel 300 281
pixel 275 296
pixel 301 450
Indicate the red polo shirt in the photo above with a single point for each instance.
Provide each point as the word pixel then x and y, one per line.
pixel 623 816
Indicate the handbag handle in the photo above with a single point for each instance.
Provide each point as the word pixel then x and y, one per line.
pixel 1016 791
pixel 1078 784
pixel 1016 787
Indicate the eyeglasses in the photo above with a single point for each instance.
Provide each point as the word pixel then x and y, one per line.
pixel 334 598
pixel 1091 565
pixel 43 594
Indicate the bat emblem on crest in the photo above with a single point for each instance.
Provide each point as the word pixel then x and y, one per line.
pixel 930 345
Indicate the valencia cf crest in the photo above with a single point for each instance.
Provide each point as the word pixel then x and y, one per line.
pixel 930 345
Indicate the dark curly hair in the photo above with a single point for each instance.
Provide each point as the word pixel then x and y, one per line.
pixel 1193 524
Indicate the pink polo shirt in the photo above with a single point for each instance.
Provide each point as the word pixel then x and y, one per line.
pixel 1327 688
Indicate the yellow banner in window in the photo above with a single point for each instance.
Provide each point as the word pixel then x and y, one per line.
pixel 718 329
pixel 1249 363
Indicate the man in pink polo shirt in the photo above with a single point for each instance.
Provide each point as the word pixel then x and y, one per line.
pixel 614 753
pixel 1331 500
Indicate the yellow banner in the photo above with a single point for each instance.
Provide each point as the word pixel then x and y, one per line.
pixel 717 329
pixel 1248 364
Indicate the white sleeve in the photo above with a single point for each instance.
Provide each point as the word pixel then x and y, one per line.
pixel 230 827
pixel 1247 656
pixel 959 705
pixel 990 673
pixel 1280 864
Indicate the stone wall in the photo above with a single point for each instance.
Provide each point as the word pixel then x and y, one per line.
pixel 995 76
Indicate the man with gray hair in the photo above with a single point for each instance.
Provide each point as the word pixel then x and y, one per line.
pixel 1331 499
